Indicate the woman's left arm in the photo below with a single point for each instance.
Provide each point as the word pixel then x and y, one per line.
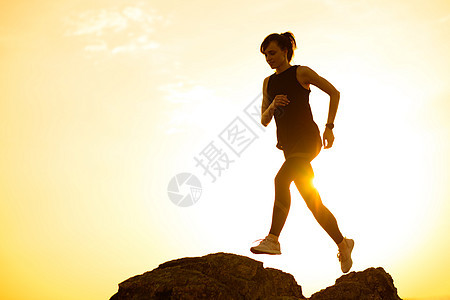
pixel 307 76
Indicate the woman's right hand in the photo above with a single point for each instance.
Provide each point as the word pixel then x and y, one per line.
pixel 280 100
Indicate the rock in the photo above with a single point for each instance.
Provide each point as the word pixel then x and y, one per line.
pixel 213 276
pixel 229 276
pixel 373 284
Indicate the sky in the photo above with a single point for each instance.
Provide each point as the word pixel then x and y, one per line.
pixel 105 103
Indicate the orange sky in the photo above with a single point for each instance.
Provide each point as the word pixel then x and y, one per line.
pixel 104 102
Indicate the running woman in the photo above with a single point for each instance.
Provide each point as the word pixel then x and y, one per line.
pixel 286 98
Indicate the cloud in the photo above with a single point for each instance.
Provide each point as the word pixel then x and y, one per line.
pixel 114 30
pixel 97 23
pixel 190 106
pixel 96 47
pixel 137 43
pixel 187 93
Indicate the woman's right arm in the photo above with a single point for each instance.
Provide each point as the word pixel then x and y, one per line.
pixel 267 109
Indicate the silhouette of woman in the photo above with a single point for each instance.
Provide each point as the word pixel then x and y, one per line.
pixel 286 98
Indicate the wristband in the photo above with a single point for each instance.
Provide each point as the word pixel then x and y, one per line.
pixel 330 126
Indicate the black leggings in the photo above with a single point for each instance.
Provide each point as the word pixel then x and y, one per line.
pixel 299 170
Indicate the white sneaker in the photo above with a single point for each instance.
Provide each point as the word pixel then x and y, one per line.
pixel 345 255
pixel 268 245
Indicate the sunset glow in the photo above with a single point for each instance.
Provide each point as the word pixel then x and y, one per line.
pixel 104 102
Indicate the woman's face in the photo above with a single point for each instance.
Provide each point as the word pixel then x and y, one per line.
pixel 275 57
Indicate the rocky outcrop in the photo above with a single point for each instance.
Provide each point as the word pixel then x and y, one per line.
pixel 213 276
pixel 373 284
pixel 229 276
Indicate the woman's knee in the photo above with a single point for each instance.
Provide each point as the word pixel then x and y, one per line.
pixel 307 190
pixel 304 184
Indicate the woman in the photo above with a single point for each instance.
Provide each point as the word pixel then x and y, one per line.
pixel 286 98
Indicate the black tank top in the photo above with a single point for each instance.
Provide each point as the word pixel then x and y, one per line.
pixel 297 133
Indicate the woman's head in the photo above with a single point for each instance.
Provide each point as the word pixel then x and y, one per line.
pixel 278 47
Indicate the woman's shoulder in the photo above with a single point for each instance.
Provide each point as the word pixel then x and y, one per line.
pixel 303 69
pixel 303 72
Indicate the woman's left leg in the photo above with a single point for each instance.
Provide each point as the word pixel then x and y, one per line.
pixel 312 198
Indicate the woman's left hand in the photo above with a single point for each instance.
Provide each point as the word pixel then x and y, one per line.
pixel 328 138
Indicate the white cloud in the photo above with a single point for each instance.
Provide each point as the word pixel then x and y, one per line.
pixel 97 23
pixel 96 48
pixel 133 46
pixel 116 30
pixel 134 13
pixel 179 93
pixel 124 48
pixel 151 45
pixel 142 39
pixel 190 104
